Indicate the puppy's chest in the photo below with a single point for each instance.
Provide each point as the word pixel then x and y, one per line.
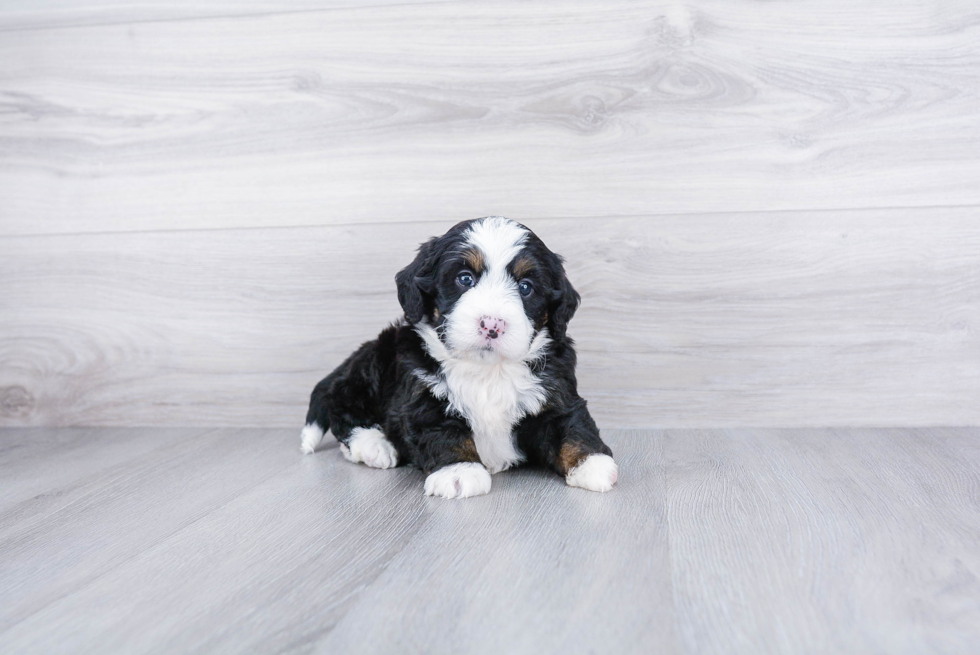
pixel 493 398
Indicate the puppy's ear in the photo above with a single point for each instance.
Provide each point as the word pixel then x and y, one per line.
pixel 564 302
pixel 416 282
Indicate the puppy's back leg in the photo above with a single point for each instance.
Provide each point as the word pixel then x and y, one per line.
pixel 317 417
pixel 347 398
pixel 370 446
pixel 349 403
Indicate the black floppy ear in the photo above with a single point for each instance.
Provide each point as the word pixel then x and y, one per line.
pixel 564 302
pixel 416 282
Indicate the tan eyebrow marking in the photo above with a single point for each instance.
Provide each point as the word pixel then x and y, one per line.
pixel 523 266
pixel 474 258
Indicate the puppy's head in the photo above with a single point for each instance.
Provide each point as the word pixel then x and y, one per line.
pixel 488 286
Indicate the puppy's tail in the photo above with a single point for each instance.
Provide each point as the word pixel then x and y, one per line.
pixel 317 419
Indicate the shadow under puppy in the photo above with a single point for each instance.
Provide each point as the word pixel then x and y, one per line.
pixel 478 377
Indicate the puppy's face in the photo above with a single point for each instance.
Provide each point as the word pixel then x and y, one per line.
pixel 489 286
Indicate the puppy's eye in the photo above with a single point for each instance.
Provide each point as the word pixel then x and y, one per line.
pixel 465 279
pixel 525 287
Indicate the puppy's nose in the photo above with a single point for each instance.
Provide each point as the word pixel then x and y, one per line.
pixel 492 327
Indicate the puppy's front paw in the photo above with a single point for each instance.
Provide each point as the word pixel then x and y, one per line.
pixel 458 481
pixel 310 438
pixel 370 446
pixel 595 473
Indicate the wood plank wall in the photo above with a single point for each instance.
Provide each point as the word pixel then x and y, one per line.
pixel 772 210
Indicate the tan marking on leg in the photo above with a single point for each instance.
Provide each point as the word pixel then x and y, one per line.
pixel 466 451
pixel 571 455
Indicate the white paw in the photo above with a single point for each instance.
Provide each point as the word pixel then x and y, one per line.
pixel 596 473
pixel 458 481
pixel 310 438
pixel 371 447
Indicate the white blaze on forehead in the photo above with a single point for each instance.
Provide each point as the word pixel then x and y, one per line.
pixel 495 294
pixel 499 239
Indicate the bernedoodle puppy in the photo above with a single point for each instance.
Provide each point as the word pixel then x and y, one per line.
pixel 478 376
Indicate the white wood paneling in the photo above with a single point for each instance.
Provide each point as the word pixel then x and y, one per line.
pixel 58 14
pixel 446 110
pixel 826 318
pixel 771 209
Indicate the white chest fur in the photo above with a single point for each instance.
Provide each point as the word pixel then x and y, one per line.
pixel 492 395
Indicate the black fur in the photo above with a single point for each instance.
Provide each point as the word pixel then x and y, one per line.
pixel 377 384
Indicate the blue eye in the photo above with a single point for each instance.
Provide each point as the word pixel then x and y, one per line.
pixel 525 287
pixel 465 279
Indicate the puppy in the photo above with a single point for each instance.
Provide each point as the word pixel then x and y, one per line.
pixel 478 376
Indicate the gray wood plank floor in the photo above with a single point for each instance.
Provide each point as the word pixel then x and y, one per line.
pixel 715 541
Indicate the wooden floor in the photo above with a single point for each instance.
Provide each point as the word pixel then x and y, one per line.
pixel 715 541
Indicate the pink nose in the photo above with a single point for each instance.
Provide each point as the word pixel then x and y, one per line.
pixel 492 327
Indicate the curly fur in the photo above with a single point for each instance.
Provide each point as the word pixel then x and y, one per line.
pixel 439 389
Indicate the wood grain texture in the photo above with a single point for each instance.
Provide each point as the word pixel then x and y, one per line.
pixel 46 470
pixel 104 520
pixel 204 203
pixel 271 568
pixel 182 118
pixel 21 15
pixel 733 541
pixel 535 567
pixel 779 319
pixel 851 541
